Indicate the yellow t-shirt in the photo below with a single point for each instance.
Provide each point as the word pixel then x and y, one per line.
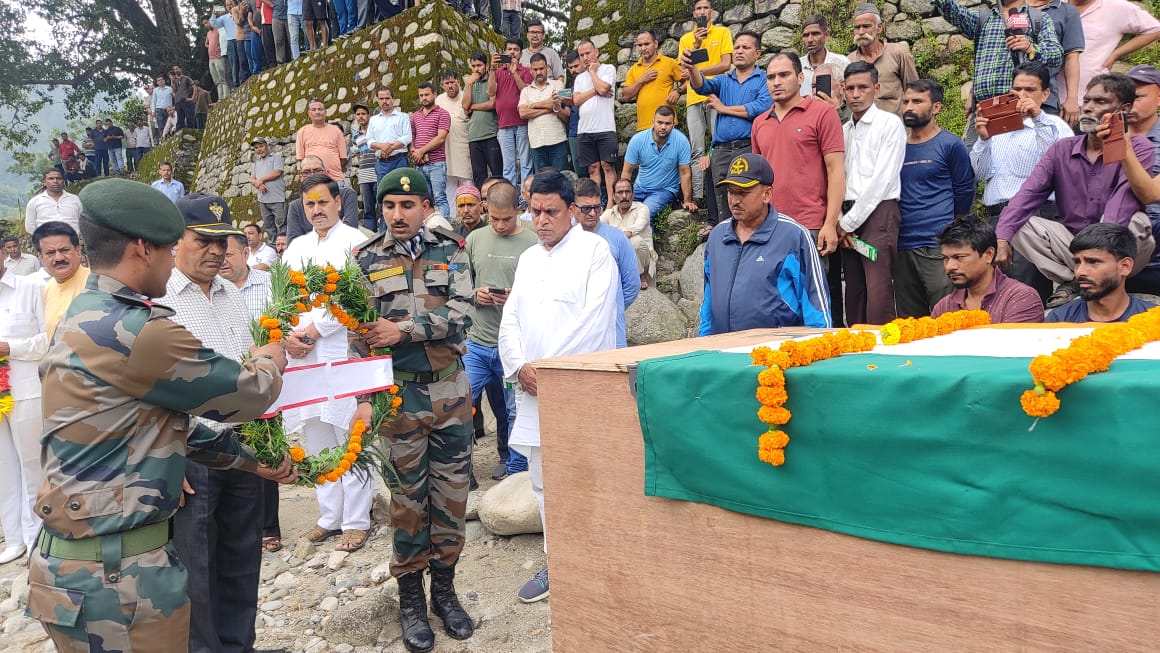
pixel 57 297
pixel 719 42
pixel 653 94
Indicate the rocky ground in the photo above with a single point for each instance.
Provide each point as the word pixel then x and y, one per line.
pixel 314 599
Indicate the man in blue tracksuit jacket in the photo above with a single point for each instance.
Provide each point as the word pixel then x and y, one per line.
pixel 761 268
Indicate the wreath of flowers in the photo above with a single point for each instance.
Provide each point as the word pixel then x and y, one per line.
pixel 771 391
pixel 1085 355
pixel 7 403
pixel 293 292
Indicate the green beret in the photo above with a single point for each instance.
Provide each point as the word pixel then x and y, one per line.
pixel 134 209
pixel 403 181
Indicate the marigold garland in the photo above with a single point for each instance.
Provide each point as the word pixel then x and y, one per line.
pixel 771 390
pixel 1085 355
pixel 7 403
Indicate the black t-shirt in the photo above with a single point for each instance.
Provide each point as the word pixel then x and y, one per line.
pixel 116 142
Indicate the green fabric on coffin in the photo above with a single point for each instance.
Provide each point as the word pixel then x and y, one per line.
pixel 934 455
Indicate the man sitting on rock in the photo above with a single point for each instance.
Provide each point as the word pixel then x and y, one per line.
pixel 662 155
pixel 632 218
pixel 1103 258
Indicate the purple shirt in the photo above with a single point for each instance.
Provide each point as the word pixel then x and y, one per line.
pixel 1007 300
pixel 1085 192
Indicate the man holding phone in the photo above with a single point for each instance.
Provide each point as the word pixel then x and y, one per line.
pixel 493 252
pixel 717 43
pixel 1087 190
pixel 815 33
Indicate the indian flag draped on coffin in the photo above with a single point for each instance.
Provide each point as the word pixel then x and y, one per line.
pixel 924 444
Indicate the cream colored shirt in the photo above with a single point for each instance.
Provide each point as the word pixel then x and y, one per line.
pixel 455 147
pixel 548 129
pixel 58 296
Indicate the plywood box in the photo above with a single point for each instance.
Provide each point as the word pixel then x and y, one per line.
pixel 637 573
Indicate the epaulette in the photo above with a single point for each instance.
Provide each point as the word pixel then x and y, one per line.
pixel 155 310
pixel 368 242
pixel 450 235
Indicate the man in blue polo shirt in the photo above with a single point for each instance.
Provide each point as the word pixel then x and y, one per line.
pixel 761 267
pixel 737 97
pixel 662 156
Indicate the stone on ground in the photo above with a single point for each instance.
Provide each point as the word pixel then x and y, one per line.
pixel 510 508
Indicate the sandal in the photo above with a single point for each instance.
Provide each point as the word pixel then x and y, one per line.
pixel 271 544
pixel 318 534
pixel 352 540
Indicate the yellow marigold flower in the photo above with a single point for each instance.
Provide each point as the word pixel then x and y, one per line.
pixel 396 402
pixel 774 439
pixel 394 389
pixel 297 454
pixel 332 277
pixel 891 334
pixel 349 457
pixel 354 447
pixel 775 457
pixel 760 356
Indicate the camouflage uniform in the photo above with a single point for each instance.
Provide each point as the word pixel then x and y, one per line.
pixel 119 382
pixel 430 296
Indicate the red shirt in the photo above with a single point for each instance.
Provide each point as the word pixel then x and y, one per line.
pixel 67 149
pixel 794 147
pixel 425 127
pixel 507 96
pixel 1007 300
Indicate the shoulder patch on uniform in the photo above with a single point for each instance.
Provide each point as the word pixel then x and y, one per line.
pixel 368 242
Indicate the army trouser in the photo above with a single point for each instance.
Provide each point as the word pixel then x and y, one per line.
pixel 141 607
pixel 430 444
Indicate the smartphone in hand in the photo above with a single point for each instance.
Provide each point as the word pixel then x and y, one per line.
pixel 1116 145
pixel 497 291
pixel 505 58
pixel 701 21
pixel 824 84
pixel 698 56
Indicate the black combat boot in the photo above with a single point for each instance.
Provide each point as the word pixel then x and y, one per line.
pixel 446 605
pixel 417 634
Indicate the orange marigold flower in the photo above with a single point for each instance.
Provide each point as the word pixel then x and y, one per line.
pixel 300 307
pixel 303 292
pixel 774 439
pixel 773 415
pixel 320 480
pixel 775 396
pixel 354 447
pixel 394 389
pixel 349 457
pixel 329 287
pixel 1039 405
pixel 772 377
pixel 333 475
pixel 297 454
pixel 332 277
pixel 275 335
pixel 344 466
pixel 760 356
pixel 396 402
pixel 322 299
pixel 775 457
pixel 293 320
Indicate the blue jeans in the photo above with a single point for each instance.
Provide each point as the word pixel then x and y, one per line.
pixel 383 166
pixel 516 153
pixel 485 370
pixel 510 24
pixel 239 61
pixel 370 207
pixel 297 33
pixel 655 199
pixel 116 159
pixel 102 163
pixel 436 174
pixel 550 156
pixel 346 14
pixel 255 49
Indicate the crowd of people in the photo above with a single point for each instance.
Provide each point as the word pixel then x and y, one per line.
pixel 831 196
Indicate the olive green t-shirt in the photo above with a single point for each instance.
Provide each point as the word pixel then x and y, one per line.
pixel 482 125
pixel 493 264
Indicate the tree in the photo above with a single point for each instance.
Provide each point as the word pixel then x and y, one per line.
pixel 98 46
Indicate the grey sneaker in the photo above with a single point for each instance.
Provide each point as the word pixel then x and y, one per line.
pixel 535 589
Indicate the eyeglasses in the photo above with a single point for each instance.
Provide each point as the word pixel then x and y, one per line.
pixel 468 203
pixel 590 208
pixel 535 31
pixel 311 171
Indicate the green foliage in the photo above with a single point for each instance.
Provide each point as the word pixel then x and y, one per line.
pixel 951 69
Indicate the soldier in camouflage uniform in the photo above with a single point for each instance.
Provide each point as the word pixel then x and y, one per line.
pixel 120 381
pixel 424 294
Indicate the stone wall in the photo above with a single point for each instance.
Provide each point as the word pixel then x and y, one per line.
pixel 414 46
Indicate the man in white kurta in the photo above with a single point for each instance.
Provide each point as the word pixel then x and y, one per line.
pixel 632 218
pixel 563 301
pixel 24 342
pixel 346 504
pixel 458 157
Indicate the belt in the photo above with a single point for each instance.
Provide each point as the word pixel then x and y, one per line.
pixel 395 156
pixel 741 142
pixel 134 541
pixel 429 377
pixel 994 210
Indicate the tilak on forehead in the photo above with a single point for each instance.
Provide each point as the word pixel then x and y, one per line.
pixel 314 196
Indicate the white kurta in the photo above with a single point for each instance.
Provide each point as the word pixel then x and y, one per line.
pixel 458 158
pixel 332 345
pixel 563 301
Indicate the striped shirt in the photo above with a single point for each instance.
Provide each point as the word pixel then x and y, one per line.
pixel 425 127
pixel 1005 161
pixel 256 292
